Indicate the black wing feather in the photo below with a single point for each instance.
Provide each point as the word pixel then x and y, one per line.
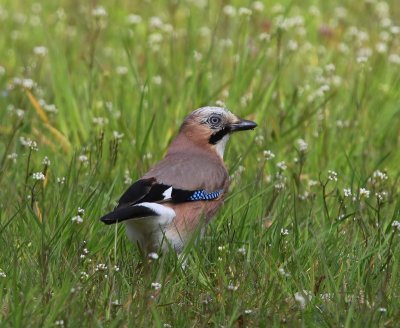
pixel 148 190
pixel 127 213
pixel 136 192
pixel 145 190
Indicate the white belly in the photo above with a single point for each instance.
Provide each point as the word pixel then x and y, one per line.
pixel 154 231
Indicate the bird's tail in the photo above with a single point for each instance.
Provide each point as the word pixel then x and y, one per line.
pixel 127 213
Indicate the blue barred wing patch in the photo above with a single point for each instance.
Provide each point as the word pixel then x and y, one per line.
pixel 204 195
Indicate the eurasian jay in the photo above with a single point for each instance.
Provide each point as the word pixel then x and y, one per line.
pixel 184 190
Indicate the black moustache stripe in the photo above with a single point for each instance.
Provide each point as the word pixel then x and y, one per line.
pixel 217 136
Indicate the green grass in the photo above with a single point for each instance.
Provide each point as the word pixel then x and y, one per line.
pixel 337 265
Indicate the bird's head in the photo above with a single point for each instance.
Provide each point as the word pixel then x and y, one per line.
pixel 211 127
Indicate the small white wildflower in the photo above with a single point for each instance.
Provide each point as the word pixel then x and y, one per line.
pixel 220 103
pixel 2 274
pixel 157 80
pixel 99 12
pixel 303 146
pixel 243 11
pixel 226 43
pixel 268 154
pixel 381 47
pixel 46 161
pixel 127 178
pixel 233 287
pixel 156 285
pixel 59 323
pixel 28 143
pixel 116 303
pixel 83 159
pixel 347 192
pixel 156 22
pixel 40 51
pixel 341 217
pixel 101 267
pixel 229 10
pixel 312 183
pixel 50 108
pixel 85 251
pixel 155 38
pixel 61 180
pixel 284 232
pixel 153 256
pixel 362 59
pixel 148 155
pixel 121 70
pixel 304 196
pixel 221 248
pixel 134 19
pixel 396 225
pixel 205 31
pixel 197 56
pixel 13 157
pixel 381 196
pixel 364 193
pixel 264 36
pixel 259 139
pixel 38 176
pixel 258 6
pixel 242 250
pixel 377 177
pixel 382 310
pixel 281 165
pixel 303 298
pixel 167 325
pixel 282 272
pixel 248 311
pixel 28 84
pixel 292 45
pixel 100 121
pixel 84 275
pixel 394 29
pixel 77 219
pixel 81 210
pixel 116 268
pixel 394 59
pixel 117 135
pixel 332 175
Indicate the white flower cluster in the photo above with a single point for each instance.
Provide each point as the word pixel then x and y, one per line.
pixel 77 219
pixel 156 285
pixel 396 225
pixel 153 256
pixel 28 143
pixel 332 176
pixel 268 154
pixel 38 176
pixel 101 267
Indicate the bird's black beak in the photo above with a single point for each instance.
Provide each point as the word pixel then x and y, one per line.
pixel 243 125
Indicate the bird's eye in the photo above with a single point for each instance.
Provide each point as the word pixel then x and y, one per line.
pixel 214 120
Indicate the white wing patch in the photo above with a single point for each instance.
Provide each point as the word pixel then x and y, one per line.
pixel 149 231
pixel 165 214
pixel 167 193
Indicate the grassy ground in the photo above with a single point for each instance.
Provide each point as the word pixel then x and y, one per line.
pixel 101 91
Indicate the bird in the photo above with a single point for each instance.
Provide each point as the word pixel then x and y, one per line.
pixel 183 191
